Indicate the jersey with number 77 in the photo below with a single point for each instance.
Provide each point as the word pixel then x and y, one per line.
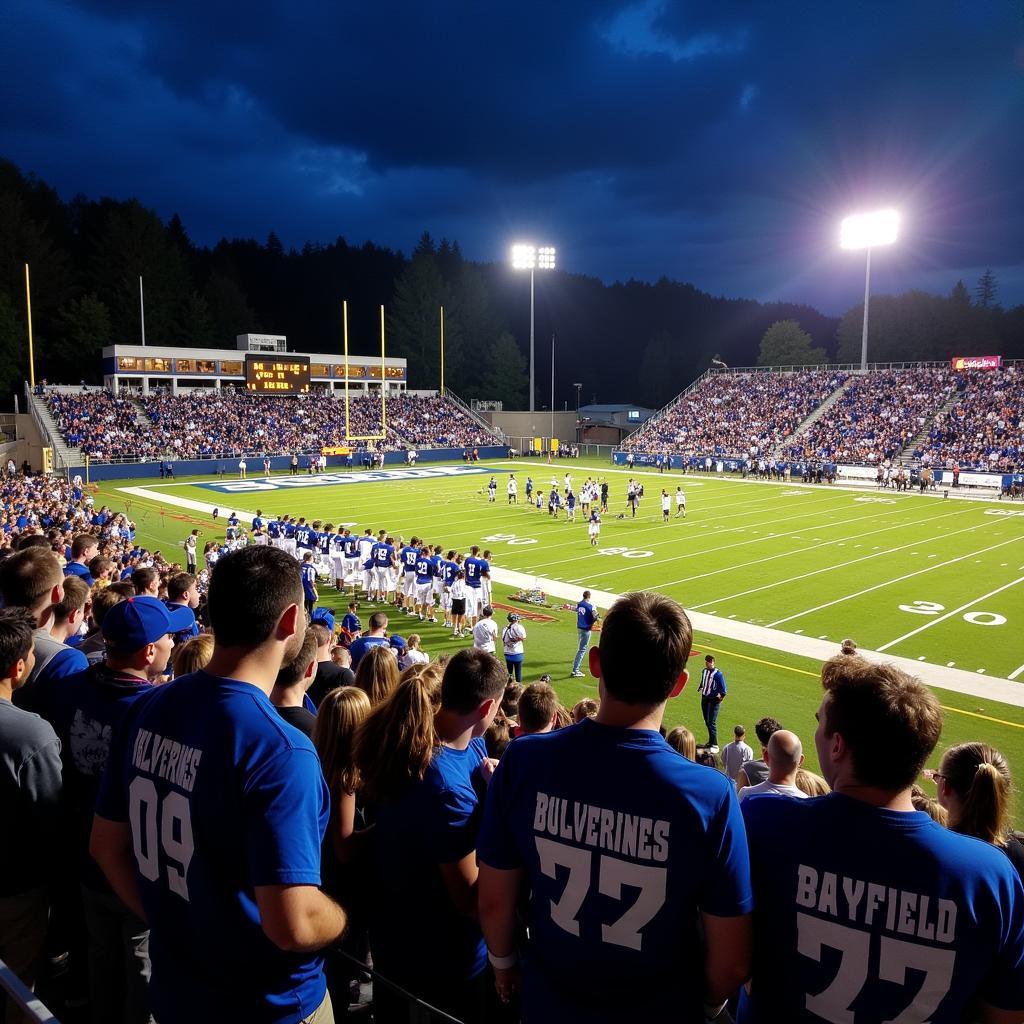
pixel 624 843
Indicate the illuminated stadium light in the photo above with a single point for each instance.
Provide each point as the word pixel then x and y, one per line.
pixel 865 231
pixel 531 258
pixel 524 257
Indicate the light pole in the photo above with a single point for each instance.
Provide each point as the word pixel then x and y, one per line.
pixel 865 231
pixel 579 428
pixel 531 258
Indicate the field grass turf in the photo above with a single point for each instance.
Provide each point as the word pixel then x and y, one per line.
pixel 898 572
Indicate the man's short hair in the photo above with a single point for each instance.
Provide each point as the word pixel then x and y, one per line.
pixel 249 591
pixel 28 576
pixel 645 641
pixel 76 596
pixel 889 720
pixel 378 620
pixel 123 587
pixel 142 579
pixel 82 543
pixel 764 728
pixel 290 673
pixel 471 677
pixel 321 633
pixel 16 640
pixel 99 565
pixel 538 704
pixel 179 585
pixel 102 601
pixel 738 731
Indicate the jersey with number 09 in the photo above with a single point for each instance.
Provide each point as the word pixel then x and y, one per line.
pixel 221 795
pixel 620 858
pixel 877 915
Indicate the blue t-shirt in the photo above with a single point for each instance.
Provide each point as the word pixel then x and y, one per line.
pixel 308 580
pixel 408 556
pixel 351 623
pixel 435 821
pixel 305 537
pixel 359 647
pixel 449 570
pixel 624 843
pixel 81 571
pixel 866 914
pixel 473 568
pixel 382 554
pixel 424 570
pixel 274 529
pixel 351 546
pixel 323 542
pixel 586 616
pixel 222 795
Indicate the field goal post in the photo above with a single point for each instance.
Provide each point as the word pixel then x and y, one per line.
pixel 349 436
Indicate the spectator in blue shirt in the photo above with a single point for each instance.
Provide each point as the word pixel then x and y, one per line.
pixel 634 859
pixel 211 814
pixel 586 616
pixel 87 709
pixel 83 549
pixel 424 840
pixel 865 908
pixel 712 693
pixel 378 624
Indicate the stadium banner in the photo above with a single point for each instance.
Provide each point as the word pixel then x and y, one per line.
pixel 977 362
pixel 972 479
pixel 538 444
pixel 228 466
pixel 343 450
pixel 857 472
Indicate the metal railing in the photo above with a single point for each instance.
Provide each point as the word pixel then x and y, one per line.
pixel 18 992
pixel 495 432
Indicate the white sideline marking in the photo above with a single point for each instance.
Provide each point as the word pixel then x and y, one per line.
pixel 945 678
pixel 949 615
pixel 1016 672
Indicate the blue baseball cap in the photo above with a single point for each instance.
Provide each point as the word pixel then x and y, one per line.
pixel 324 616
pixel 137 621
pixel 398 642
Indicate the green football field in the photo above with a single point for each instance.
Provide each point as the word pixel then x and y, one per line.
pixel 919 577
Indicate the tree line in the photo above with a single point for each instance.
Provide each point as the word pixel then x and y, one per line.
pixel 629 341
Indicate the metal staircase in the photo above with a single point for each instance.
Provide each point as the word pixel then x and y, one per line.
pixel 906 456
pixel 813 418
pixel 64 455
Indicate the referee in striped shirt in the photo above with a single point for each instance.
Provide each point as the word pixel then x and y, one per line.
pixel 712 693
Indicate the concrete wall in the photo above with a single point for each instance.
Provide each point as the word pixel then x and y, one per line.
pixel 534 424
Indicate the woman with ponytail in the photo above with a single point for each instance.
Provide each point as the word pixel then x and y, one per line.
pixel 973 783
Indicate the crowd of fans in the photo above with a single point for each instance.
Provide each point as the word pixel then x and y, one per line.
pixel 229 422
pixel 737 414
pixel 218 819
pixel 877 417
pixel 984 430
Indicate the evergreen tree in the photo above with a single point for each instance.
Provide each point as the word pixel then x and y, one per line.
pixel 415 321
pixel 505 376
pixel 985 290
pixel 786 343
pixel 13 347
pixel 83 331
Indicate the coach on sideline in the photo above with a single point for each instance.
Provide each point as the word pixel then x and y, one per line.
pixel 211 814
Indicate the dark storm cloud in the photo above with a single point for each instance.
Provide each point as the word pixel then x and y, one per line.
pixel 715 142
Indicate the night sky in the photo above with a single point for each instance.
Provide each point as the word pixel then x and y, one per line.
pixel 717 143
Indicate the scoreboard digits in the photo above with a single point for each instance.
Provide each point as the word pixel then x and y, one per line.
pixel 277 376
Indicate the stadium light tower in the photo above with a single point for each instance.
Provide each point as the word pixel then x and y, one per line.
pixel 865 231
pixel 532 258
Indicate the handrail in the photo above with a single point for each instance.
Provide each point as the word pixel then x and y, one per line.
pixel 29 1002
pixel 496 432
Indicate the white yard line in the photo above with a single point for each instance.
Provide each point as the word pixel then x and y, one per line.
pixel 1016 672
pixel 949 615
pixel 941 677
pixel 898 579
pixel 772 537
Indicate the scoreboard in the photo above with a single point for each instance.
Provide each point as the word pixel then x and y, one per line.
pixel 282 376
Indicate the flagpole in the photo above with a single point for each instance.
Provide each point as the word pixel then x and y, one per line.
pixel 442 350
pixel 142 312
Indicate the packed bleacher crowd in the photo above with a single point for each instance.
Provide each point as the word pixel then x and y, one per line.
pixel 231 421
pixel 101 424
pixel 984 430
pixel 877 416
pixel 217 845
pixel 736 414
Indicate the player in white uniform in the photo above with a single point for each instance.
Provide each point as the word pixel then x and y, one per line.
pixel 485 580
pixel 680 503
pixel 338 560
pixel 513 490
pixel 666 505
pixel 594 527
